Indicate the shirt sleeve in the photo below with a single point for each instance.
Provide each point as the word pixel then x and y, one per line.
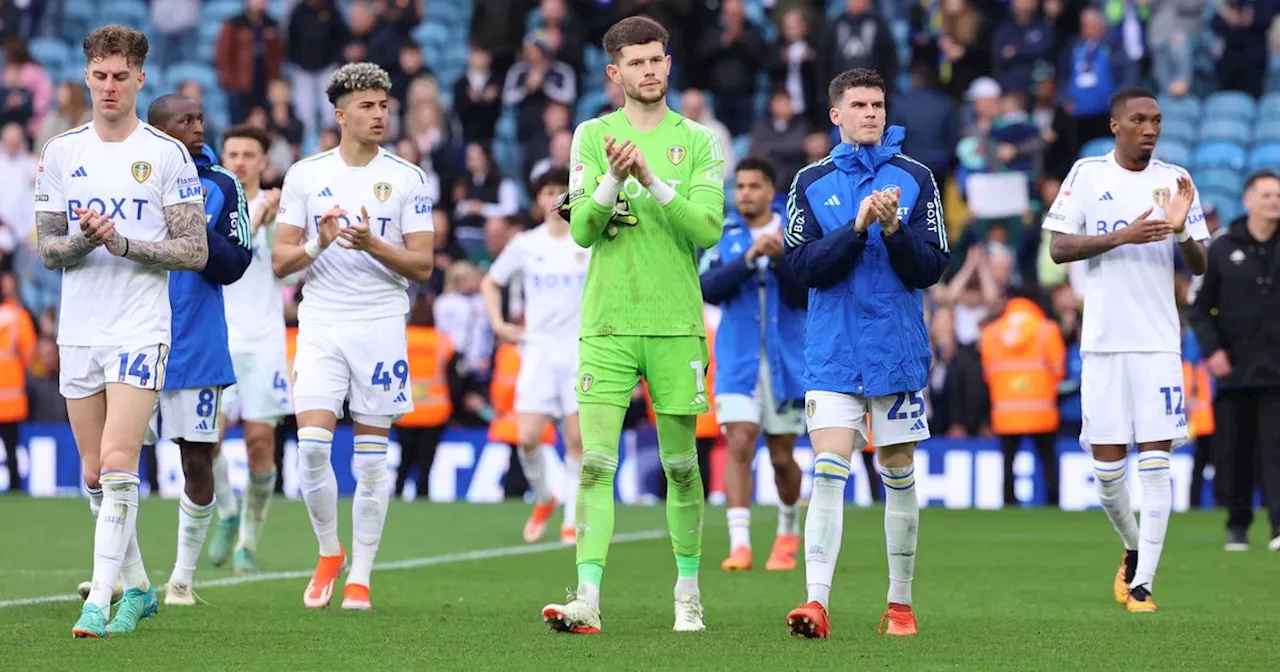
pixel 587 218
pixel 509 261
pixel 182 182
pixel 49 196
pixel 701 216
pixel 230 240
pixel 814 258
pixel 293 201
pixel 415 214
pixel 1066 215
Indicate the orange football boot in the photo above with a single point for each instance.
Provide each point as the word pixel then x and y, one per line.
pixel 739 560
pixel 536 526
pixel 1120 587
pixel 783 556
pixel 1140 600
pixel 320 590
pixel 810 621
pixel 901 620
pixel 356 597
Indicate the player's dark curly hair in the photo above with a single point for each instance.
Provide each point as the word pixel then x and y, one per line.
pixel 354 77
pixel 632 31
pixel 1125 95
pixel 117 41
pixel 857 78
pixel 758 163
pixel 553 176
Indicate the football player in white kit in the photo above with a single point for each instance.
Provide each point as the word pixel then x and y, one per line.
pixel 134 195
pixel 352 342
pixel 1119 212
pixel 552 269
pixel 261 396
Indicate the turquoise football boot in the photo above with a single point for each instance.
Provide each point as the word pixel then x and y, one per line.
pixel 92 623
pixel 132 608
pixel 226 533
pixel 242 563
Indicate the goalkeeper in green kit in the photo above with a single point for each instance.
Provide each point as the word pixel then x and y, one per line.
pixel 645 192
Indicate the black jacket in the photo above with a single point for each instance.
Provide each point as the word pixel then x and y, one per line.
pixel 1237 307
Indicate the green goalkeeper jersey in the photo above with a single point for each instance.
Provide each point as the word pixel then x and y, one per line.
pixel 643 277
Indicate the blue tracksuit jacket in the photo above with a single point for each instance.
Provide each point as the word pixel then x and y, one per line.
pixel 198 356
pixel 732 283
pixel 865 333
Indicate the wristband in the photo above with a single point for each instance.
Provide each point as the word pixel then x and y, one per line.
pixel 313 248
pixel 1182 236
pixel 661 191
pixel 606 193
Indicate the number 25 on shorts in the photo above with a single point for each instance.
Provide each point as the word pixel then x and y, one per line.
pixel 896 411
pixel 381 376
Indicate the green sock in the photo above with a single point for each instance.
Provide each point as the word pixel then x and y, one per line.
pixel 601 429
pixel 677 445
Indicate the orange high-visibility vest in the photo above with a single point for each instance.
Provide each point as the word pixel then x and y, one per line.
pixel 708 426
pixel 1023 360
pixel 429 354
pixel 290 347
pixel 17 351
pixel 1198 395
pixel 502 395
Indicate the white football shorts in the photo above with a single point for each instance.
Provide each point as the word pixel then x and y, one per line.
pixel 1132 397
pixel 546 380
pixel 85 370
pixel 263 392
pixel 189 415
pixel 760 408
pixel 365 363
pixel 895 418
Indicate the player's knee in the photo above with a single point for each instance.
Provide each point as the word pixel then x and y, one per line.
pixel 896 457
pixel 90 473
pixel 682 470
pixel 783 460
pixel 197 471
pixel 119 459
pixel 261 452
pixel 598 468
pixel 369 467
pixel 314 454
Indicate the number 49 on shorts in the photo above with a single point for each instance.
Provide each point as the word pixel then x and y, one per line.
pixel 381 376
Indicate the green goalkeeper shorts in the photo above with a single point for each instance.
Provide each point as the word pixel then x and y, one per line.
pixel 609 368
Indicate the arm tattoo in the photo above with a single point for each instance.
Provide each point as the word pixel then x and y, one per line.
pixel 1196 256
pixel 1066 247
pixel 58 249
pixel 187 248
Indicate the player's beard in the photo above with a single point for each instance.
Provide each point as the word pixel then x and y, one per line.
pixel 640 95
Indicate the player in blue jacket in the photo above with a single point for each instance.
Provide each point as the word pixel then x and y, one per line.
pixel 760 384
pixel 199 361
pixel 865 234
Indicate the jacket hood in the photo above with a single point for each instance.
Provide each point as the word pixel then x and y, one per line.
pixel 1020 325
pixel 851 158
pixel 206 157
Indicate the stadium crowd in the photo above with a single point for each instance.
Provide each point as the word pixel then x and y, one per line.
pixel 999 98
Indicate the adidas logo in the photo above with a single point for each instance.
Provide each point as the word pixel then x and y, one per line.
pixel 80 172
pixel 400 398
pixel 203 426
pixel 918 426
pixel 698 399
pixel 1182 422
pixel 1106 197
pixel 326 192
pixel 834 200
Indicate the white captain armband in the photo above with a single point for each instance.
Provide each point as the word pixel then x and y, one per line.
pixel 1182 236
pixel 606 193
pixel 313 248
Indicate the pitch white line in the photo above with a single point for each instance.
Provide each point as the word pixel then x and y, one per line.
pixel 413 563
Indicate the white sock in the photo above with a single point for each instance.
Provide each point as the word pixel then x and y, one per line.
pixel 573 474
pixel 319 486
pixel 257 498
pixel 193 526
pixel 534 464
pixel 687 585
pixel 739 527
pixel 95 501
pixel 116 524
pixel 1157 500
pixel 789 519
pixel 590 594
pixel 1113 492
pixel 901 529
pixel 132 573
pixel 369 507
pixel 824 525
pixel 223 496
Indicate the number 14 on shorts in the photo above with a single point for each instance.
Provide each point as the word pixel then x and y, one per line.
pixel 382 376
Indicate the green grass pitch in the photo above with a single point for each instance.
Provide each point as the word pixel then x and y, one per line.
pixel 1008 590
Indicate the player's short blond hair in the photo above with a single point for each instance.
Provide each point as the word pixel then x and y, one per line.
pixel 114 40
pixel 354 77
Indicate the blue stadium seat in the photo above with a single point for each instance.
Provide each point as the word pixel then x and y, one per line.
pixel 218 11
pixel 1219 180
pixel 1230 105
pixel 1228 207
pixel 1225 129
pixel 71 72
pixel 78 18
pixel 1097 147
pixel 1265 156
pixel 51 52
pixel 742 146
pixel 1185 108
pixel 1220 155
pixel 1179 130
pixel 1173 151
pixel 202 73
pixel 1267 129
pixel 1269 107
pixel 588 103
pixel 430 31
pixel 131 13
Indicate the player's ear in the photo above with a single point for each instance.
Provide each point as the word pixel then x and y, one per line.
pixel 668 64
pixel 1115 125
pixel 142 79
pixel 611 71
pixel 834 113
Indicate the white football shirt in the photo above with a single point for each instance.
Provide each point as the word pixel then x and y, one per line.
pixel 553 271
pixel 254 303
pixel 1128 298
pixel 348 285
pixel 110 300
